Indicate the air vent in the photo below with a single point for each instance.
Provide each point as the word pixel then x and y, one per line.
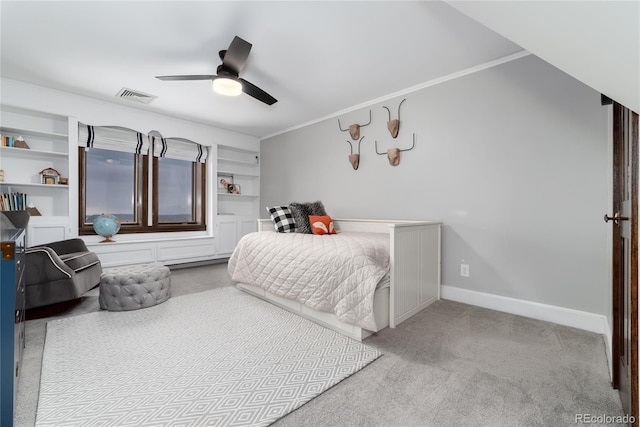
pixel 134 95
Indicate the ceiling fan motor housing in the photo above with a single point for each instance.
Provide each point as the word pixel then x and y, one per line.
pixel 224 71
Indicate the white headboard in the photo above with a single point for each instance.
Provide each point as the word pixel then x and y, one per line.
pixel 364 225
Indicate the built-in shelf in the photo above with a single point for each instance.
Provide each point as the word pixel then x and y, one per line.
pixel 32 132
pixel 238 195
pixel 29 184
pixel 47 137
pixel 227 173
pixel 30 152
pixel 242 162
pixel 237 213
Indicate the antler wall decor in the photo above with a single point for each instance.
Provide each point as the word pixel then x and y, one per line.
pixel 354 159
pixel 393 154
pixel 354 129
pixel 394 125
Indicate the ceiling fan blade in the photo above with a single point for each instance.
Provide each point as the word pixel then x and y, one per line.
pixel 237 54
pixel 201 77
pixel 254 91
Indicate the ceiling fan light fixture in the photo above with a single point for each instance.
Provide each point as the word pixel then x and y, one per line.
pixel 226 86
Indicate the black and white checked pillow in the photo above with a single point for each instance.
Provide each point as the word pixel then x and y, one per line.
pixel 282 219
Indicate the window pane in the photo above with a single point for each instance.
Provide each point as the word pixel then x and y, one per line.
pixel 175 190
pixel 110 184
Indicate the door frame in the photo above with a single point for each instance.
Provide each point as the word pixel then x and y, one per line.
pixel 618 262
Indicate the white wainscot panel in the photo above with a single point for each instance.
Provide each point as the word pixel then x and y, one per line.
pixel 231 228
pixel 227 234
pixel 115 254
pixel 165 251
pixel 186 251
pixel 47 229
pixel 247 225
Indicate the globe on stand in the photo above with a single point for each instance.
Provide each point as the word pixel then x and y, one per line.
pixel 107 226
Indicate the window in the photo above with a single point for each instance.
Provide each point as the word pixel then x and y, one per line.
pixel 179 197
pixel 175 201
pixel 111 185
pixel 114 178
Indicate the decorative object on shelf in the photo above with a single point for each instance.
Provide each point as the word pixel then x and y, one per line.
pixel 223 182
pixel 107 226
pixel 63 181
pixel 354 129
pixel 33 211
pixel 233 188
pixel 354 159
pixel 393 154
pixel 19 142
pixel 394 125
pixel 49 176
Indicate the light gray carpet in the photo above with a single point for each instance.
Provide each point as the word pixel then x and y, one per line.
pixel 216 358
pixel 450 365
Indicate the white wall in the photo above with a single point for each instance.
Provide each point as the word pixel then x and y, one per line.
pixel 597 42
pixel 512 159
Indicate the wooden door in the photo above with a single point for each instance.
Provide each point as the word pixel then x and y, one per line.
pixel 625 257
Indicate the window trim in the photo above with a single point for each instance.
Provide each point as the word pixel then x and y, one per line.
pixel 198 173
pixel 142 191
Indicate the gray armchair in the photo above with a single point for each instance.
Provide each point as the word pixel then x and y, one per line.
pixel 59 271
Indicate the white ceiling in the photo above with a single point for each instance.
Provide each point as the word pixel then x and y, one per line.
pixel 597 42
pixel 316 58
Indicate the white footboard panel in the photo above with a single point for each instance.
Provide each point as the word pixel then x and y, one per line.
pixel 415 269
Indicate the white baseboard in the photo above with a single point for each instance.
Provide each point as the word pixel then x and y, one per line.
pixel 563 316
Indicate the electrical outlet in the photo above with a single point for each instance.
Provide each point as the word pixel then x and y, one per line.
pixel 464 270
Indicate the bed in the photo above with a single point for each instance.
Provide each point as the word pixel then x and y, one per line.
pixel 397 275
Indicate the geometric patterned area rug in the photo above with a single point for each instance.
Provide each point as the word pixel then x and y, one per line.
pixel 215 358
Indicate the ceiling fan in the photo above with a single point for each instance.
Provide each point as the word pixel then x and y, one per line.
pixel 227 81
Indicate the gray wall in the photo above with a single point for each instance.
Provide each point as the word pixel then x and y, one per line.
pixel 512 159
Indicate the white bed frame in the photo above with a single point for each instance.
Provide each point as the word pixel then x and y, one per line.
pixel 414 275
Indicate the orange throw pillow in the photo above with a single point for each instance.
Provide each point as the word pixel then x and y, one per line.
pixel 321 225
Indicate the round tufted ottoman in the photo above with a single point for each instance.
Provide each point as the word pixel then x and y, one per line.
pixel 134 286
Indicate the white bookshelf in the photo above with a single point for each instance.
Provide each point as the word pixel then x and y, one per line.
pixel 48 139
pixel 237 214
